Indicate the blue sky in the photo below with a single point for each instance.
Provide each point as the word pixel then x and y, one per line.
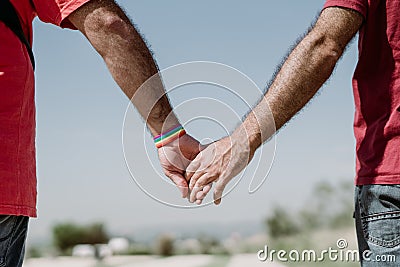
pixel 80 111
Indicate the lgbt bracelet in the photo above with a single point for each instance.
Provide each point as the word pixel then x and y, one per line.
pixel 169 136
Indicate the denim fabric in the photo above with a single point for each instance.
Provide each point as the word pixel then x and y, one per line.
pixel 377 217
pixel 13 230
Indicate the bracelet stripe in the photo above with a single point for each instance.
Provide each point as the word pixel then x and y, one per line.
pixel 169 136
pixel 170 139
pixel 168 133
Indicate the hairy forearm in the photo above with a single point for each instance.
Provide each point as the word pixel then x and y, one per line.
pixel 128 59
pixel 306 69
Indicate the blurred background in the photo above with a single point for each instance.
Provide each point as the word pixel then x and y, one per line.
pixel 87 198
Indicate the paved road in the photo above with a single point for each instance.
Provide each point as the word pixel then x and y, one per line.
pixel 86 262
pixel 247 260
pixel 59 262
pixel 250 260
pixel 177 261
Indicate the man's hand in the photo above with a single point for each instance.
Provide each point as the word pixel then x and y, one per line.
pixel 175 158
pixel 220 161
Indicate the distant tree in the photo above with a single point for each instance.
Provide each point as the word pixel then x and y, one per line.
pixel 95 234
pixel 207 243
pixel 309 219
pixel 34 252
pixel 344 217
pixel 329 206
pixel 67 235
pixel 165 245
pixel 281 224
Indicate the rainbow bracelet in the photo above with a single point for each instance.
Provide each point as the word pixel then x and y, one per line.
pixel 169 136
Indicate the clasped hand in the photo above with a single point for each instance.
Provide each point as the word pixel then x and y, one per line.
pixel 194 167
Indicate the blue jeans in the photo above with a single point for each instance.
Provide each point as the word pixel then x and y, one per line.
pixel 377 215
pixel 13 231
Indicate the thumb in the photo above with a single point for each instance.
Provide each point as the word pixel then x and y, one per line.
pixel 218 191
pixel 181 183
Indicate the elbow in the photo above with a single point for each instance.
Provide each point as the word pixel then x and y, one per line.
pixel 105 28
pixel 329 48
pixel 323 52
pixel 113 24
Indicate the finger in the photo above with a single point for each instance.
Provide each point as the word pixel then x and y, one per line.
pixel 198 164
pixel 193 194
pixel 205 180
pixel 207 188
pixel 198 202
pixel 202 194
pixel 203 185
pixel 195 186
pixel 181 183
pixel 191 169
pixel 218 191
pixel 194 178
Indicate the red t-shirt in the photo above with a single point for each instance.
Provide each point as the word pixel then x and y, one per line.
pixel 376 85
pixel 17 106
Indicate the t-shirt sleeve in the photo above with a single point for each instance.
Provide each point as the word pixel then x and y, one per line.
pixel 360 6
pixel 55 11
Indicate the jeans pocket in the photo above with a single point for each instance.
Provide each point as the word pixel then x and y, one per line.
pixel 7 228
pixel 380 214
pixel 382 229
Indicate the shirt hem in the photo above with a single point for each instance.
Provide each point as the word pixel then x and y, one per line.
pixel 383 180
pixel 347 4
pixel 69 8
pixel 18 210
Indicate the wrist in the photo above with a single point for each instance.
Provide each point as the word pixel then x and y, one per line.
pixel 251 134
pixel 169 136
pixel 254 142
pixel 158 127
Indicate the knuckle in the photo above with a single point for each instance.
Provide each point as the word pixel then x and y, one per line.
pixel 200 183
